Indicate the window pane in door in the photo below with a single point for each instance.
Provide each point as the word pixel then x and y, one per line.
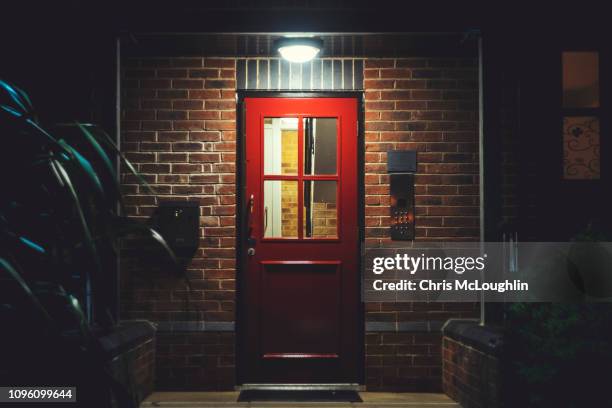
pixel 320 145
pixel 280 146
pixel 320 212
pixel 581 147
pixel 580 79
pixel 280 212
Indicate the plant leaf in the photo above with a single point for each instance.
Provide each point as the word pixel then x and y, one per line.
pixel 12 272
pixel 108 141
pixel 103 156
pixel 124 226
pixel 89 242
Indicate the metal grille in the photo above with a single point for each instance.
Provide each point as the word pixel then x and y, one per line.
pixel 318 74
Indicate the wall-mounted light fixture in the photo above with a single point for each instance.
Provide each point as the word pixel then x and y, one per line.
pixel 298 49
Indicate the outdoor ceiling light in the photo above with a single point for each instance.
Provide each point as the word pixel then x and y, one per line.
pixel 299 49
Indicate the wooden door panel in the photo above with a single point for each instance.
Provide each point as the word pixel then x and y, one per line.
pixel 301 284
pixel 311 289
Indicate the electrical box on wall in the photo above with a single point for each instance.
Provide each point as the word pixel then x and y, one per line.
pixel 179 223
pixel 401 165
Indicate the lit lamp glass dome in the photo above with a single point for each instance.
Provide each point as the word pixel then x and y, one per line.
pixel 295 49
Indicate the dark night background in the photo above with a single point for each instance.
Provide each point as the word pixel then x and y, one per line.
pixel 64 55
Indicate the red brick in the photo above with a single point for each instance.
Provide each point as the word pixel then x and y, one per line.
pixel 219 63
pixel 396 115
pixel 172 136
pixel 395 73
pixel 155 146
pixel 228 115
pixel 219 83
pixel 171 115
pixel 156 125
pixel 171 73
pixel 228 73
pixel 220 105
pixel 379 105
pixel 186 168
pixel 379 63
pixel 136 157
pixel 187 62
pixel 371 73
pixel 208 136
pixel 187 189
pixel 372 95
pixel 187 147
pixel 187 84
pixel 204 94
pixel 172 94
pixel 188 104
pixel 204 114
pixel 172 157
pixel 204 157
pixel 188 125
pixel 379 84
pixel 204 179
pixel 204 73
pixel 375 126
pixel 220 125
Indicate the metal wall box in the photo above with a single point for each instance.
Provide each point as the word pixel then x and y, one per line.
pixel 179 223
pixel 401 161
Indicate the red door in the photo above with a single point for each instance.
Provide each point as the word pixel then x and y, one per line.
pixel 301 288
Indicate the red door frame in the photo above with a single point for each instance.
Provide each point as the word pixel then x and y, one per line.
pixel 242 227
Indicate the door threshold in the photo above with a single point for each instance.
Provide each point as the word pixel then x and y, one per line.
pixel 301 387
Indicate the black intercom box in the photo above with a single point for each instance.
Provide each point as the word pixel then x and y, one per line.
pixel 402 206
pixel 402 164
pixel 179 223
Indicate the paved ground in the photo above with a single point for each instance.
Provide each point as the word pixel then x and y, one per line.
pixel 228 400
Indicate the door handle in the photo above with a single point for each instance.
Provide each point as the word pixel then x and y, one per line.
pixel 265 219
pixel 251 203
pixel 250 220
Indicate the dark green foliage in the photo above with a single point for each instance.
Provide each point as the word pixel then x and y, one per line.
pixel 559 355
pixel 59 228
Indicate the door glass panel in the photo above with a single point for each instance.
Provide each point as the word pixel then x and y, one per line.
pixel 320 213
pixel 580 79
pixel 281 146
pixel 280 212
pixel 581 147
pixel 320 145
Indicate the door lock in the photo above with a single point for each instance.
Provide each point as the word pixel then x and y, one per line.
pixel 251 251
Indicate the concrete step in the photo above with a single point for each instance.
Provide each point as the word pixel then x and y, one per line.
pixel 229 400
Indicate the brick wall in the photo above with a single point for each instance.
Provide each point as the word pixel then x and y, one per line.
pixel 324 219
pixel 179 128
pixel 131 348
pixel 470 376
pixel 428 105
pixel 195 361
pixel 407 362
